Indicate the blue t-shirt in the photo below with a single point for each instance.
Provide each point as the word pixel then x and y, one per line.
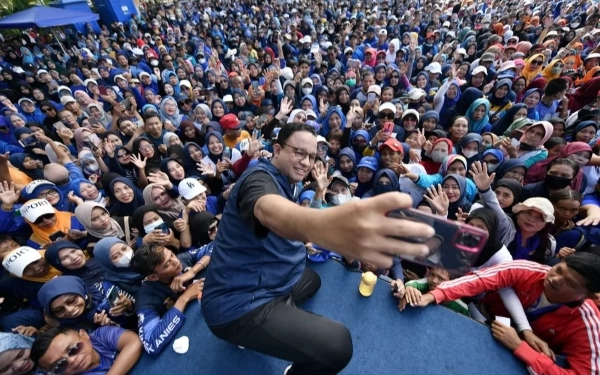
pixel 105 340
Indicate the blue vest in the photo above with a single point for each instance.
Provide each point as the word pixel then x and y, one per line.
pixel 245 271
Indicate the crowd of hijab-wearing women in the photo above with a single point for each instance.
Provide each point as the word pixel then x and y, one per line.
pixel 485 118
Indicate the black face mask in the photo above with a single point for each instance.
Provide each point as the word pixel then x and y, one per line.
pixel 556 182
pixel 526 147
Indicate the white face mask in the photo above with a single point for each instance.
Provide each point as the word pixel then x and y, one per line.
pixel 469 154
pixel 94 167
pixel 154 62
pixel 125 260
pixel 492 167
pixel 202 61
pixel 438 156
pixel 339 199
pixel 306 91
pixel 150 227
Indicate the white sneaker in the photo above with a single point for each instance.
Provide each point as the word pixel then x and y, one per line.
pixel 287 369
pixel 241 347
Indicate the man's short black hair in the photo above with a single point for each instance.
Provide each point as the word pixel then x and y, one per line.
pixel 6 237
pixel 149 115
pixel 555 86
pixel 289 129
pixel 147 258
pixel 42 342
pixel 588 266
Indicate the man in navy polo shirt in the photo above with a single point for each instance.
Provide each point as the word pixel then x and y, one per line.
pixel 257 274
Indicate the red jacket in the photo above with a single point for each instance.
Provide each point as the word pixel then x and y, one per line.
pixel 574 332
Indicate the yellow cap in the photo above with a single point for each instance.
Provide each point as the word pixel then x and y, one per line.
pixel 367 284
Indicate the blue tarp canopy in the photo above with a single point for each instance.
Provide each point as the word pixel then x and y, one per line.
pixel 42 16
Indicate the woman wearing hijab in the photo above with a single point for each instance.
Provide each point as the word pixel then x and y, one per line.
pixel 121 164
pixel 578 152
pixel 216 148
pixel 96 111
pixel 149 223
pixel 500 98
pixel 68 302
pixel 553 70
pixel 165 201
pixel 98 223
pixel 170 112
pixel 189 133
pixel 384 181
pixel 144 147
pixel 205 228
pixel 494 251
pixel 127 197
pixel 51 113
pixel 462 105
pixel 114 256
pixel 27 165
pixel 469 147
pixel 455 187
pixel 478 115
pixel 218 109
pixel 71 260
pixel 533 67
pixel 87 191
pixel 174 169
pixel 14 354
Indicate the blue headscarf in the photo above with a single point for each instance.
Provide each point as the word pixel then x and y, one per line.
pixel 503 124
pixel 17 161
pixel 508 165
pixel 75 186
pixel 112 272
pixel 531 112
pixel 13 341
pixel 358 154
pixel 469 138
pixel 380 189
pixel 449 103
pixel 313 100
pixel 33 189
pixel 462 201
pixel 90 273
pixel 62 285
pixel 325 123
pixel 480 125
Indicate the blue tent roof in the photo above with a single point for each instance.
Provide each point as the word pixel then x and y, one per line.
pixel 42 16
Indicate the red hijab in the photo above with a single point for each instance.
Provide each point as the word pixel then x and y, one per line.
pixel 432 167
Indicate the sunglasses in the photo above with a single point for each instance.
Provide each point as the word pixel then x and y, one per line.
pixel 537 62
pixel 62 365
pixel 40 219
pixel 384 116
pixel 46 110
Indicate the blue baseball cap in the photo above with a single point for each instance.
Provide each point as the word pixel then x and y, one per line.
pixel 369 162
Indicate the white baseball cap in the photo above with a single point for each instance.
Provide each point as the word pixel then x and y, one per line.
pixel 35 208
pixel 479 69
pixel 388 106
pixel 17 260
pixel 189 188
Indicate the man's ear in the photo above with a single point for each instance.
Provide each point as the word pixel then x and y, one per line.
pixel 152 277
pixel 83 334
pixel 276 149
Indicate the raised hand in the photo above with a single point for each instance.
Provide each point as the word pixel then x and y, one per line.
pixel 319 173
pixel 480 175
pixel 9 195
pixel 206 169
pixel 159 178
pixel 438 200
pixel 255 144
pixel 74 199
pixel 139 161
pixel 286 106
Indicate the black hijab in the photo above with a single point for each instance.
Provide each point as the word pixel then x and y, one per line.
pixel 493 244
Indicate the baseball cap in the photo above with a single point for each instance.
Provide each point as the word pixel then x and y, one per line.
pixel 24 100
pixel 17 260
pixel 321 139
pixel 479 69
pixel 228 98
pixel 416 94
pixel 41 71
pixel 189 188
pixel 34 208
pixel 67 99
pixel 388 106
pixel 88 81
pixel 230 122
pixel 341 178
pixel 375 88
pixel 369 162
pixel 394 144
pixel 434 67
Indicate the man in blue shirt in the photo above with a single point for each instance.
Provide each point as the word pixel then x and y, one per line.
pixel 257 274
pixel 63 350
pixel 168 288
pixel 553 93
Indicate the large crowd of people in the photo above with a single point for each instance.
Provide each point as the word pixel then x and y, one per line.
pixel 206 150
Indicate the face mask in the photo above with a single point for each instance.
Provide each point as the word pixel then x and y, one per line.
pixel 492 167
pixel 154 62
pixel 381 189
pixel 438 156
pixel 202 61
pixel 351 82
pixel 125 259
pixel 339 199
pixel 469 154
pixel 556 70
pixel 150 227
pixel 92 167
pixel 556 182
pixel 306 91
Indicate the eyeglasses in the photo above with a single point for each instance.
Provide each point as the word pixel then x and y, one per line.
pixel 394 76
pixel 186 102
pixel 145 148
pixel 322 148
pixel 122 155
pixel 385 116
pixel 360 142
pixel 301 154
pixel 537 62
pixel 46 110
pixel 61 365
pixel 40 219
pixel 47 194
